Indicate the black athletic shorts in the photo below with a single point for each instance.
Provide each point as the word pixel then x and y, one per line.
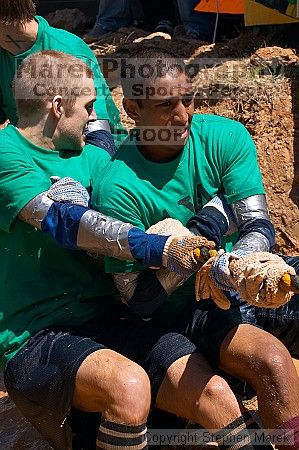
pixel 40 377
pixel 208 325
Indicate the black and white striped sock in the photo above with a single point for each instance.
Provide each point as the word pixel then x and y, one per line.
pixel 116 436
pixel 240 434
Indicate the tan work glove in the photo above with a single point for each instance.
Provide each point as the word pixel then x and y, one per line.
pixel 205 287
pixel 183 253
pixel 261 278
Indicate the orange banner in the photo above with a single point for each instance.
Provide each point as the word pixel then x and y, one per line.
pixel 224 6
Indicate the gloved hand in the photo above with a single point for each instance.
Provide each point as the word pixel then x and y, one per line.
pixel 183 253
pixel 186 254
pixel 68 190
pixel 261 278
pixel 220 270
pixel 205 287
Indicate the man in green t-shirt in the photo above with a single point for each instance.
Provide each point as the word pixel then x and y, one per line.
pixel 61 327
pixel 22 34
pixel 172 165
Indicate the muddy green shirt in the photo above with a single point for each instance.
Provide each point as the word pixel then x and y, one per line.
pixel 42 284
pixel 219 157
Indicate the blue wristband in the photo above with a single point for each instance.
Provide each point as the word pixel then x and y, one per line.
pixel 146 248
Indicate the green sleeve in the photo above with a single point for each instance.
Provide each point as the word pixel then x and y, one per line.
pixel 119 204
pixel 20 182
pixel 241 176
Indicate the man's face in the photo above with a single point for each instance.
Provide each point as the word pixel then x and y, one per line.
pixel 71 128
pixel 168 113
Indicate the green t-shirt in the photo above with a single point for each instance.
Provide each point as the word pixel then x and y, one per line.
pixel 42 284
pixel 219 157
pixel 49 38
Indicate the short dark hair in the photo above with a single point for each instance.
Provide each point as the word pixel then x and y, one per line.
pixel 16 12
pixel 158 63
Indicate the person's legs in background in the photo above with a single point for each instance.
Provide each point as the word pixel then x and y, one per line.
pixel 197 25
pixel 206 26
pixel 137 13
pixel 111 16
pixel 159 15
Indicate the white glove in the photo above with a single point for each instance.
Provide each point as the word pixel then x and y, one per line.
pixel 68 190
pixel 220 270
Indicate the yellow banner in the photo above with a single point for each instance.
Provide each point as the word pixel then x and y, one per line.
pixel 271 12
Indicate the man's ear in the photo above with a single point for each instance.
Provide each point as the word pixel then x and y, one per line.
pixel 132 109
pixel 57 107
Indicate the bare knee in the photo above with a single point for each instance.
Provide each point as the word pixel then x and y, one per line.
pixel 266 365
pixel 113 385
pixel 191 390
pixel 253 354
pixel 216 406
pixel 273 376
pixel 131 396
pixel 271 360
pixel 215 389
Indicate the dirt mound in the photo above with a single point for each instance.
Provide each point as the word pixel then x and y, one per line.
pixel 72 20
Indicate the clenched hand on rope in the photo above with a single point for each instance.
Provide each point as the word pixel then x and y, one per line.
pixel 262 279
pixel 181 244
